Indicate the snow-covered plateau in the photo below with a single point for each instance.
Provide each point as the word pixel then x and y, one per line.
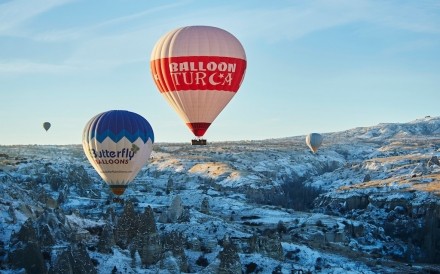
pixel 367 202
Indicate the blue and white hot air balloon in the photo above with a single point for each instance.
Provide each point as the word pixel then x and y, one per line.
pixel 118 143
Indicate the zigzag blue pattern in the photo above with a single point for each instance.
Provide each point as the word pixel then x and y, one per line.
pixel 116 137
pixel 117 124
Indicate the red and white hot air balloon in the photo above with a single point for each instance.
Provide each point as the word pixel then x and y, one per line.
pixel 198 69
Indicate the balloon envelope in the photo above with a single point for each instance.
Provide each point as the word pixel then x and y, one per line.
pixel 118 143
pixel 46 126
pixel 314 141
pixel 198 69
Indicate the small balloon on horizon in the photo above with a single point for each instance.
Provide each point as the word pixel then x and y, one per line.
pixel 46 126
pixel 314 141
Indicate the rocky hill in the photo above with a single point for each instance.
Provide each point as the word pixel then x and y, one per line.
pixel 367 202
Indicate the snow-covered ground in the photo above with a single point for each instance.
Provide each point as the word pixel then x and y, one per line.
pixel 349 208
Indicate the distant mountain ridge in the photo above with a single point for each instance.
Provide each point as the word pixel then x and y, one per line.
pixel 420 127
pixel 427 127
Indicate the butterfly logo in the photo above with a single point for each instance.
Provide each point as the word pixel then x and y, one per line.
pixel 134 148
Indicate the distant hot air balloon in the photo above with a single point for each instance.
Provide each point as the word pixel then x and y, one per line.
pixel 314 141
pixel 118 143
pixel 46 126
pixel 198 69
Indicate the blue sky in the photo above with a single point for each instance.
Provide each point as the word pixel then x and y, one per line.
pixel 313 66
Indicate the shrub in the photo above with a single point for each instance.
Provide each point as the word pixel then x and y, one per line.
pixel 202 261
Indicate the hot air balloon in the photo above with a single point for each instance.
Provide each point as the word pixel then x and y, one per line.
pixel 198 69
pixel 314 141
pixel 46 126
pixel 118 143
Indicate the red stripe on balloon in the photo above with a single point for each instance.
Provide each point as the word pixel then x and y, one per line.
pixel 198 73
pixel 199 129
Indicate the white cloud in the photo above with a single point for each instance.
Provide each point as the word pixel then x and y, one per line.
pixel 24 67
pixel 16 12
pixel 129 38
pixel 122 23
pixel 277 23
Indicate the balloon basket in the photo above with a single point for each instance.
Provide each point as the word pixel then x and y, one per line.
pixel 198 142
